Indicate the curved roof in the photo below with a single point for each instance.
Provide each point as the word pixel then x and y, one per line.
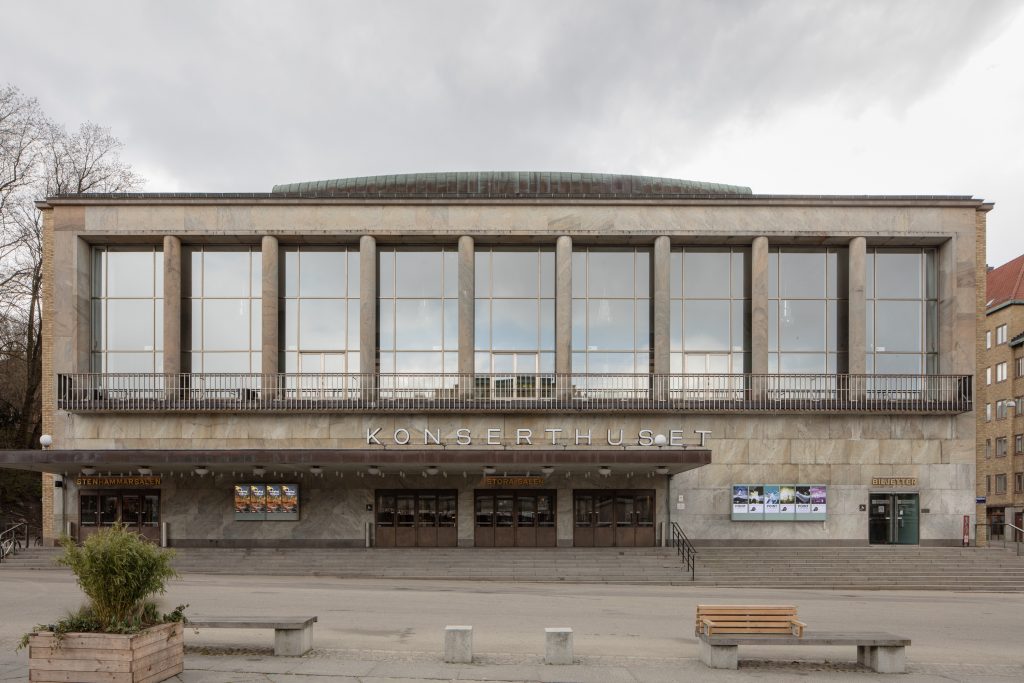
pixel 509 184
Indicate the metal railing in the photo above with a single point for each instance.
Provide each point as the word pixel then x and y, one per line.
pixel 997 532
pixel 684 549
pixel 697 393
pixel 10 544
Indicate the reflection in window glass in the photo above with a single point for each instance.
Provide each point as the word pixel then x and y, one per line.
pixel 611 311
pixel 225 311
pixel 709 310
pixel 901 311
pixel 515 316
pixel 807 309
pixel 127 305
pixel 418 310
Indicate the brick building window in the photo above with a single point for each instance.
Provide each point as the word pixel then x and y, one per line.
pixel 1001 445
pixel 1001 334
pixel 988 339
pixel 1018 444
pixel 1020 366
pixel 988 448
pixel 988 412
pixel 988 375
pixel 1002 408
pixel 1000 483
pixel 1001 372
pixel 1018 482
pixel 988 483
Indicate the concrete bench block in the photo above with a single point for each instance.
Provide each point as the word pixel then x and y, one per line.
pixel 888 660
pixel 458 644
pixel 719 656
pixel 558 646
pixel 293 642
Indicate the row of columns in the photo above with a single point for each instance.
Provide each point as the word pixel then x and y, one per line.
pixel 856 328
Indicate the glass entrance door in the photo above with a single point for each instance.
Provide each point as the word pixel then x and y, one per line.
pixel 613 518
pixel 410 519
pixel 894 519
pixel 138 510
pixel 508 519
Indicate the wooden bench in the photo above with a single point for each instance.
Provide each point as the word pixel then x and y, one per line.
pixel 882 652
pixel 293 636
pixel 748 620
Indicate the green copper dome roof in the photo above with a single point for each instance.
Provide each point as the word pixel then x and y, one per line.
pixel 509 184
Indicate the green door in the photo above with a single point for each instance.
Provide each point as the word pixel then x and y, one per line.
pixel 907 518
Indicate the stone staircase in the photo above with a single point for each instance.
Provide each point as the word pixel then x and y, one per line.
pixel 826 568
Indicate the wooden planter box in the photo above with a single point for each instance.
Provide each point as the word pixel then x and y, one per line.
pixel 150 656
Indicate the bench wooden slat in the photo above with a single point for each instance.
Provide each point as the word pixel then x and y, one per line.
pixel 748 619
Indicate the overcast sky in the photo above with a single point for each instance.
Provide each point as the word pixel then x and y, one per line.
pixel 786 97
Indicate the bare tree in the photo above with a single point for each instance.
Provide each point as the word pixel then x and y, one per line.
pixel 38 158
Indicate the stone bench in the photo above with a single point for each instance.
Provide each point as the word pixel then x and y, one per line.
pixel 882 652
pixel 293 636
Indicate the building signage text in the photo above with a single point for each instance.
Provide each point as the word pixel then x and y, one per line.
pixel 513 482
pixel 496 436
pixel 117 482
pixel 894 481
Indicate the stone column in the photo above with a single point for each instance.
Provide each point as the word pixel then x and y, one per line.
pixel 467 313
pixel 172 316
pixel 563 316
pixel 662 315
pixel 856 324
pixel 368 315
pixel 759 312
pixel 270 345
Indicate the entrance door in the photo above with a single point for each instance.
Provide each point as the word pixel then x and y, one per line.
pixel 613 518
pixel 416 519
pixel 506 519
pixel 894 519
pixel 138 510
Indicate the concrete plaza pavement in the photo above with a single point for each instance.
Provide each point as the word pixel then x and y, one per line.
pixel 377 631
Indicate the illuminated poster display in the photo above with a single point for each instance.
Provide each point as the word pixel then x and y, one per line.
pixel 270 502
pixel 779 502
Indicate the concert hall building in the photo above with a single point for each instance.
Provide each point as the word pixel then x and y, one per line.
pixel 510 359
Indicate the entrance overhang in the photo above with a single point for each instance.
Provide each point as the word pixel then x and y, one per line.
pixel 620 461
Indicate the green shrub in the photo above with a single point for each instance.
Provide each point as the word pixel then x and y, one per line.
pixel 117 570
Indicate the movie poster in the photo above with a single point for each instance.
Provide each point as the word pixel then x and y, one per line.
pixel 258 499
pixel 771 501
pixel 755 500
pixel 787 502
pixel 803 500
pixel 241 498
pixel 288 503
pixel 739 499
pixel 249 502
pixel 273 499
pixel 819 503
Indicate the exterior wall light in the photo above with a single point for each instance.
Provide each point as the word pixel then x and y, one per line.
pixel 46 441
pixel 432 470
pixel 145 471
pixel 489 469
pixel 88 471
pixel 259 471
pixel 373 471
pixel 547 470
pixel 316 470
pixel 604 470
pixel 660 440
pixel 661 469
pixel 202 470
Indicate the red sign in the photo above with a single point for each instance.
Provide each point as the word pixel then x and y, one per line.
pixel 967 530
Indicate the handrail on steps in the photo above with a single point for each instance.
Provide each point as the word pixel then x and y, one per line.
pixel 9 543
pixel 992 535
pixel 684 549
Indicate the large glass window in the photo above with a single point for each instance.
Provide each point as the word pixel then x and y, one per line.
pixel 321 310
pixel 807 309
pixel 515 309
pixel 224 311
pixel 901 311
pixel 710 294
pixel 611 311
pixel 128 312
pixel 418 310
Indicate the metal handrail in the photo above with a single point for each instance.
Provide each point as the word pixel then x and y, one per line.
pixel 990 526
pixel 11 545
pixel 513 392
pixel 684 548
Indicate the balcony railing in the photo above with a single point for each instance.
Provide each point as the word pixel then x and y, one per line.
pixel 342 393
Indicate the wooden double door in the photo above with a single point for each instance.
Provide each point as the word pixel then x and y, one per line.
pixel 609 518
pixel 519 518
pixel 417 519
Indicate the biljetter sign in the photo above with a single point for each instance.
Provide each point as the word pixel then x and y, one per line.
pixel 894 481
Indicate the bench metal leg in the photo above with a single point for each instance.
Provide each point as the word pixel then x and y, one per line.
pixel 293 642
pixel 719 656
pixel 889 660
